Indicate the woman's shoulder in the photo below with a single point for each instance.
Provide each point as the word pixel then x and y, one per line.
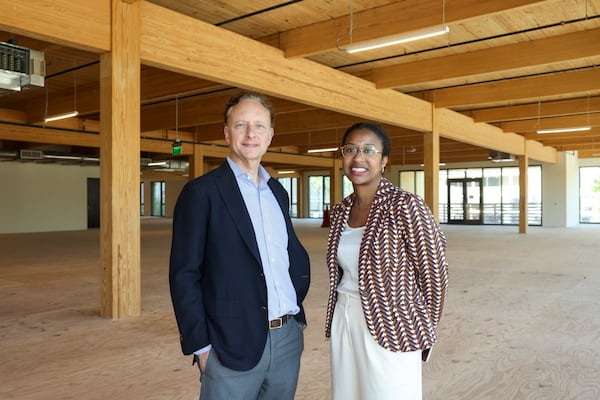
pixel 392 194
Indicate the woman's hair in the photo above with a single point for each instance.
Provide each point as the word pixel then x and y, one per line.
pixel 248 95
pixel 376 129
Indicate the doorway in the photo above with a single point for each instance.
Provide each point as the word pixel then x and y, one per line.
pixel 93 203
pixel 465 201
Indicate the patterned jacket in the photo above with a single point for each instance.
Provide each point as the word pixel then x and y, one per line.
pixel 402 270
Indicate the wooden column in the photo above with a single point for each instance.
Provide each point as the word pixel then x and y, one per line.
pixel 120 164
pixel 335 187
pixel 431 161
pixel 300 195
pixel 197 163
pixel 523 192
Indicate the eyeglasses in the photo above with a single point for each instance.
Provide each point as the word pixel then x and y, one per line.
pixel 350 151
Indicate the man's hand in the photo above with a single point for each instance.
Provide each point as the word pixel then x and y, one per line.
pixel 202 359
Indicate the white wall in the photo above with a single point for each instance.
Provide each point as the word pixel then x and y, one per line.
pixel 572 189
pixel 560 191
pixel 52 197
pixel 43 197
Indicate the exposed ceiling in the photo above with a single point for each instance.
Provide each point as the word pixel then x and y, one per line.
pixel 520 65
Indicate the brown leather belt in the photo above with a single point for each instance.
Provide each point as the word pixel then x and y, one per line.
pixel 278 322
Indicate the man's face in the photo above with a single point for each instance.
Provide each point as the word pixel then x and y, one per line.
pixel 248 132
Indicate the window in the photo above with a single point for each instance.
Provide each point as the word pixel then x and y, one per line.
pixel 347 187
pixel 291 186
pixel 500 195
pixel 158 199
pixel 589 195
pixel 318 195
pixel 510 195
pixel 492 196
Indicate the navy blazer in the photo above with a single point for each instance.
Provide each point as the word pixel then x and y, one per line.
pixel 218 288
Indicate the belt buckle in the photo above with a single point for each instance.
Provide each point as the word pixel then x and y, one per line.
pixel 276 323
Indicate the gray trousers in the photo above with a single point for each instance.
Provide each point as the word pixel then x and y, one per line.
pixel 275 377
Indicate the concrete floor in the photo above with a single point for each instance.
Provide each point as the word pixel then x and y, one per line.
pixel 522 319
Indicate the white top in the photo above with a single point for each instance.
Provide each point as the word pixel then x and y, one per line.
pixel 347 259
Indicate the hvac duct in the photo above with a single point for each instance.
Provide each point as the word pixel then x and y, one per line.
pixel 20 67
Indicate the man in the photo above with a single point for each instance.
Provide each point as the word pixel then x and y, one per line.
pixel 238 273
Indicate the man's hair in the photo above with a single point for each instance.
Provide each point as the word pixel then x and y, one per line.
pixel 248 95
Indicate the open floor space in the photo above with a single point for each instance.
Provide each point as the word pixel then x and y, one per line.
pixel 521 319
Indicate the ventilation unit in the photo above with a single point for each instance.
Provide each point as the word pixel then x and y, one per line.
pixel 31 154
pixel 20 67
pixel 498 156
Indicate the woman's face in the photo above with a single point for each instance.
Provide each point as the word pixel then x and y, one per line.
pixel 362 159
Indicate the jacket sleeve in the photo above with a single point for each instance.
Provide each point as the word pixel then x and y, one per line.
pixel 427 248
pixel 186 268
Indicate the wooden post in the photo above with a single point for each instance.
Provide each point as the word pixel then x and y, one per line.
pixel 431 161
pixel 120 164
pixel 523 193
pixel 335 187
pixel 197 165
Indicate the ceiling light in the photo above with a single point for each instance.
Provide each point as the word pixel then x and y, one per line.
pixel 68 114
pixel 322 150
pixel 286 172
pixel 157 163
pixel 62 116
pixel 397 39
pixel 561 130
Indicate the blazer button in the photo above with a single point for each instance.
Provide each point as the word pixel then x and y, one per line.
pixel 263 308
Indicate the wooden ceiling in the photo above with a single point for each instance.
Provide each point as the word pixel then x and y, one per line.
pixel 516 64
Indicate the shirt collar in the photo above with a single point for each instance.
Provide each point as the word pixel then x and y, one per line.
pixel 263 175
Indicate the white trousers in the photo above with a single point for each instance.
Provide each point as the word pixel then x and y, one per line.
pixel 363 370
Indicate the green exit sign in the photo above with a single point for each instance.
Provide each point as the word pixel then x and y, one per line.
pixel 176 151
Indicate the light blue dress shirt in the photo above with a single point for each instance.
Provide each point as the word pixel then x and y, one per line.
pixel 272 239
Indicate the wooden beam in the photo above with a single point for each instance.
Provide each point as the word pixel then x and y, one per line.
pixel 392 19
pixel 519 89
pixel 187 45
pixel 537 151
pixel 57 21
pixel 568 47
pixel 461 128
pixel 120 165
pixel 156 86
pixel 32 134
pixel 534 110
pixel 532 125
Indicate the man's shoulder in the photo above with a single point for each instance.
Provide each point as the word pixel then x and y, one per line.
pixel 210 177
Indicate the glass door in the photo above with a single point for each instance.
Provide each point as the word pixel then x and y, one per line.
pixel 465 201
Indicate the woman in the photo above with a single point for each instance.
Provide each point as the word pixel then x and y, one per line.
pixel 388 278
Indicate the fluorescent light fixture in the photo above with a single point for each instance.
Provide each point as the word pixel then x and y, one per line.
pixel 322 150
pixel 62 116
pixel 286 172
pixel 561 130
pixel 157 163
pixel 397 39
pixel 440 164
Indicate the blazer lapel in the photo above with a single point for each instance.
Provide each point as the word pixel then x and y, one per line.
pixel 232 198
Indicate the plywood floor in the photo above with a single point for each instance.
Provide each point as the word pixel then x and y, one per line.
pixel 522 319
